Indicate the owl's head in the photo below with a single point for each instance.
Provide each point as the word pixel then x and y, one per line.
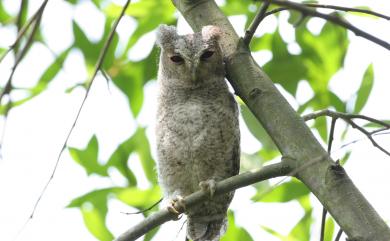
pixel 191 60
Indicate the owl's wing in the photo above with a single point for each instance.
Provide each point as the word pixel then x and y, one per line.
pixel 236 157
pixel 236 152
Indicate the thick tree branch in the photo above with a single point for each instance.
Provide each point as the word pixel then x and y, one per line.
pixel 331 18
pixel 227 185
pixel 327 180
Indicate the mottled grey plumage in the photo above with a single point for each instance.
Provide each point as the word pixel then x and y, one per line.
pixel 197 125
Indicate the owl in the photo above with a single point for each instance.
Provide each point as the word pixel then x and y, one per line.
pixel 198 136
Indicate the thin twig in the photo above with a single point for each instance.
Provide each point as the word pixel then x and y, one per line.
pixel 346 9
pixel 181 228
pixel 8 86
pixel 341 115
pixel 97 68
pixel 349 119
pixel 362 139
pixel 365 132
pixel 331 18
pixel 255 23
pixel 144 210
pixel 338 236
pixel 24 29
pixel 330 142
pixel 334 7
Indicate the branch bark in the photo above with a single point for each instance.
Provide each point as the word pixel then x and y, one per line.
pixel 328 181
pixel 224 186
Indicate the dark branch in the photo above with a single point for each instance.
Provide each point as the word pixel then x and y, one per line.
pixel 324 211
pixel 23 30
pixel 37 20
pixel 338 236
pixel 144 210
pixel 255 23
pixel 349 119
pixel 227 185
pixel 334 7
pixel 332 18
pixel 346 9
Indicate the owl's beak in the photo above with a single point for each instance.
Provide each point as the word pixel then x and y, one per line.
pixel 194 71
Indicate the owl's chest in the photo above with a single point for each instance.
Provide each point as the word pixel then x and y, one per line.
pixel 194 121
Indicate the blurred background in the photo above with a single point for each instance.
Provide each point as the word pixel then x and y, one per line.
pixel 109 165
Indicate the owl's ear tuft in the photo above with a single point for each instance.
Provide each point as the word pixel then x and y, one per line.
pixel 211 32
pixel 166 35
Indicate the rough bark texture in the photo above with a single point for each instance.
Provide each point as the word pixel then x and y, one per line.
pixel 328 181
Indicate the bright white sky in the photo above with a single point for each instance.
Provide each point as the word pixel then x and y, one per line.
pixel 35 131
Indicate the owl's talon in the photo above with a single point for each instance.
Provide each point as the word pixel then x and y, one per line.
pixel 175 204
pixel 209 187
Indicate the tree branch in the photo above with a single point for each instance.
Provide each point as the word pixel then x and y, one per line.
pixel 334 7
pixel 98 66
pixel 255 23
pixel 331 18
pixel 35 20
pixel 23 30
pixel 349 119
pixel 328 181
pixel 225 186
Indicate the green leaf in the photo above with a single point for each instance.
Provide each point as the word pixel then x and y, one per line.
pixel 321 125
pixel 256 128
pixel 94 220
pixel 329 229
pixel 285 68
pixel 364 89
pixel 109 58
pixel 275 233
pixel 90 50
pixel 4 16
pixel 235 233
pixel 131 77
pixel 93 207
pixel 88 158
pixel 138 198
pixel 50 73
pixel 232 7
pixel 283 193
pixel 319 56
pixel 149 235
pixel 301 231
pixel 139 144
pixel 149 14
pixel 261 43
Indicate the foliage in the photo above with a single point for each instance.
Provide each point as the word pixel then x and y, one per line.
pixel 316 63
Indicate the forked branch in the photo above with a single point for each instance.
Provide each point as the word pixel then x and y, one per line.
pixel 305 10
pixel 349 118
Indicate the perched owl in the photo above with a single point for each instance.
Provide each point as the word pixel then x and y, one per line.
pixel 198 136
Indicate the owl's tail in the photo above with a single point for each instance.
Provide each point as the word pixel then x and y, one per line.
pixel 206 228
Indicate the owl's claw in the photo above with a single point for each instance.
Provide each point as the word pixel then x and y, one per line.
pixel 208 186
pixel 175 204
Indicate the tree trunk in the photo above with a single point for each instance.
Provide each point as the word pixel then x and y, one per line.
pixel 300 149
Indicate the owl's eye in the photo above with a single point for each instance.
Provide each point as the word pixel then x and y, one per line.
pixel 207 54
pixel 177 59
